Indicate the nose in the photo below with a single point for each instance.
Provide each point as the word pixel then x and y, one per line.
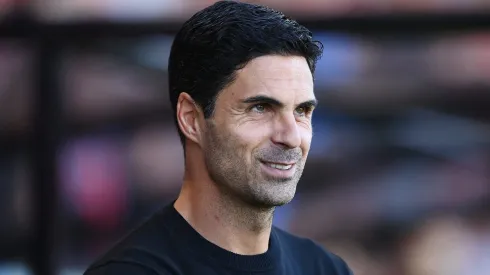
pixel 286 132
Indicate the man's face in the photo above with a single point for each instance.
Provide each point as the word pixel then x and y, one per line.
pixel 257 141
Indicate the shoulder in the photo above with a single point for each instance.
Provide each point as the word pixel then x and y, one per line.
pixel 134 260
pixel 309 250
pixel 145 250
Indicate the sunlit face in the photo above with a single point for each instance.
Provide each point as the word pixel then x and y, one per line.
pixel 258 139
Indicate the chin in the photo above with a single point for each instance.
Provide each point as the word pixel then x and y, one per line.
pixel 282 202
pixel 272 203
pixel 272 199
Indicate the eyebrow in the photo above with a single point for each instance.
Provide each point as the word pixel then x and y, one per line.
pixel 309 104
pixel 274 102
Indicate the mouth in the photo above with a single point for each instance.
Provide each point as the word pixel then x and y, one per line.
pixel 279 166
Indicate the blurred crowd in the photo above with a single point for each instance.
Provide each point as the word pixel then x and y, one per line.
pixel 176 9
pixel 133 10
pixel 397 180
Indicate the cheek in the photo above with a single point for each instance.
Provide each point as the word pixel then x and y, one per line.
pixel 252 134
pixel 306 136
pixel 250 137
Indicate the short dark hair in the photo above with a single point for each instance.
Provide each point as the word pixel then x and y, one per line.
pixel 221 39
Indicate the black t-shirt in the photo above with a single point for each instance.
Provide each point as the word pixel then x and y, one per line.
pixel 167 245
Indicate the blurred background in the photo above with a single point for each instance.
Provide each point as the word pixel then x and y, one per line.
pixel 397 181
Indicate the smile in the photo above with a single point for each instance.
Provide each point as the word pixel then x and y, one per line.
pixel 279 166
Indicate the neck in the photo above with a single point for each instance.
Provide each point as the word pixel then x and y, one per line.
pixel 223 220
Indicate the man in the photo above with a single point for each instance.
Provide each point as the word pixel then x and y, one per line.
pixel 241 85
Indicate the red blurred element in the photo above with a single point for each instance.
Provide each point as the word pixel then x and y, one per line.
pixel 96 186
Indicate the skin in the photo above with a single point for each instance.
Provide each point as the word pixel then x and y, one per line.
pixel 229 193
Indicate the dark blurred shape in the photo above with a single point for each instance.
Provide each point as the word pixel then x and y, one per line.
pixel 48 125
pixel 16 79
pixel 16 85
pixel 15 204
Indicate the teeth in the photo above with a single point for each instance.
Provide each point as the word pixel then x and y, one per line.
pixel 280 166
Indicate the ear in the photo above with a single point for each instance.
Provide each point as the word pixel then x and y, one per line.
pixel 188 117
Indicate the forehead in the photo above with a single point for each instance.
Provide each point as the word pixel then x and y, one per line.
pixel 286 78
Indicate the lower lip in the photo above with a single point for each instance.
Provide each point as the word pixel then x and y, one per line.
pixel 277 173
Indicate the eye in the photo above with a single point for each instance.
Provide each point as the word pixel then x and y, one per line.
pixel 260 108
pixel 302 111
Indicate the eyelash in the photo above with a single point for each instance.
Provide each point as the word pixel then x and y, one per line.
pixel 259 104
pixel 307 109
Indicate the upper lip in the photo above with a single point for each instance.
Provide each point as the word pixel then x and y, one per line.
pixel 280 163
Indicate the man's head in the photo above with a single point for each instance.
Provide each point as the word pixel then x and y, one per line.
pixel 241 86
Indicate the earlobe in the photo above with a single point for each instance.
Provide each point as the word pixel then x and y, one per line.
pixel 188 113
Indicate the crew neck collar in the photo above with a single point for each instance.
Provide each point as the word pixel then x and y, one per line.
pixel 201 247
